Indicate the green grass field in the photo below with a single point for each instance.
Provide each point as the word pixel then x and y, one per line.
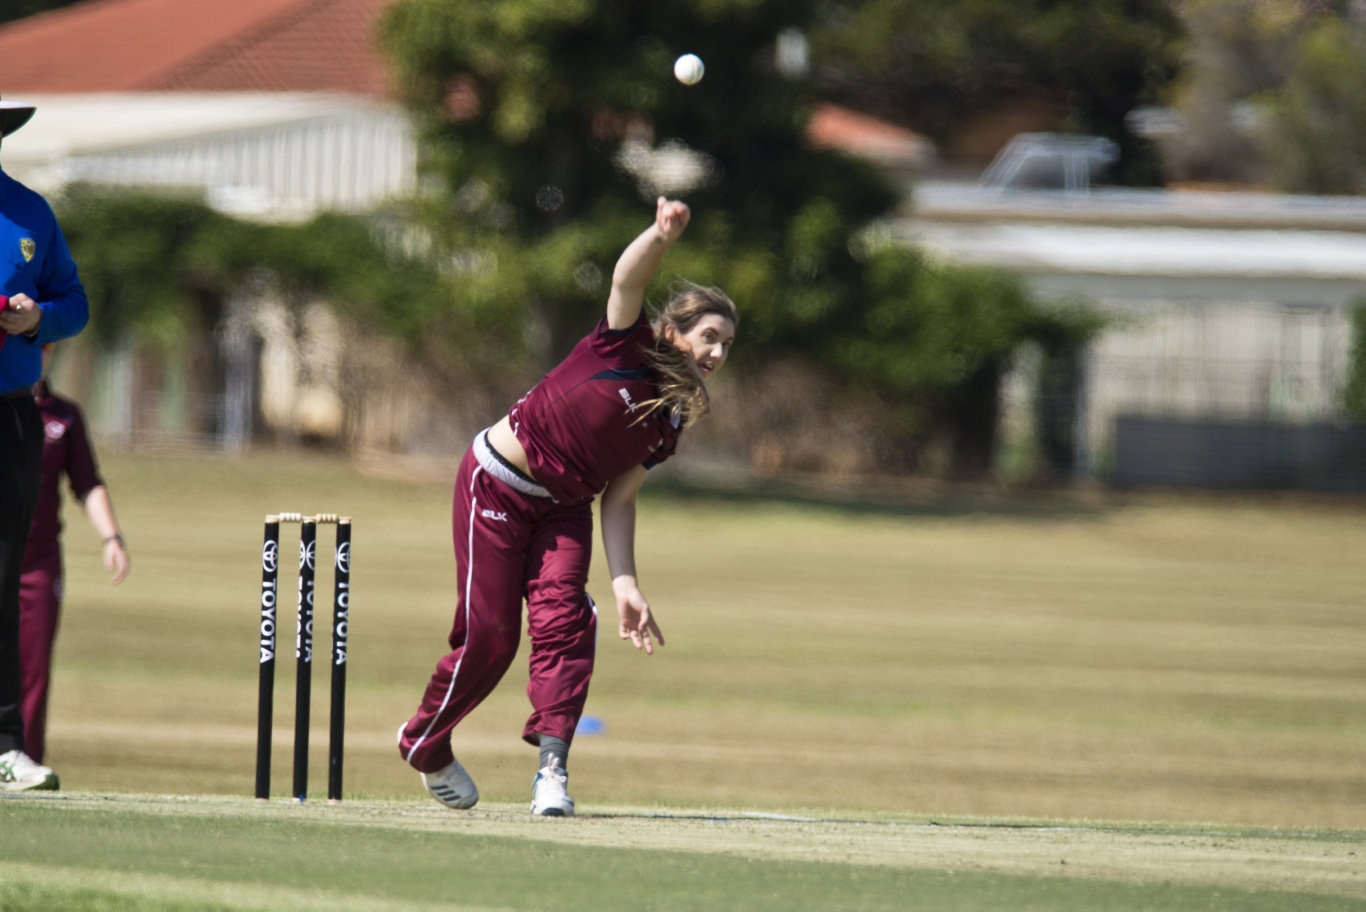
pixel 890 698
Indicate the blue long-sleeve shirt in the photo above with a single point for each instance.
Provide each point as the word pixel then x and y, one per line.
pixel 34 260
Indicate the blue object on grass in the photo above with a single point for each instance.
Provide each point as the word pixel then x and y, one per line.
pixel 590 725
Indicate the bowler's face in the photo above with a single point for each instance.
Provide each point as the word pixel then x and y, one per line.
pixel 708 342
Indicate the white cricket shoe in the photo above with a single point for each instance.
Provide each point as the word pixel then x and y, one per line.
pixel 21 773
pixel 452 786
pixel 548 795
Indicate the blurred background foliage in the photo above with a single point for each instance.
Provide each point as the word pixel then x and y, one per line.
pixel 18 9
pixel 161 267
pixel 530 114
pixel 1315 132
pixel 938 67
pixel 547 130
pixel 1355 396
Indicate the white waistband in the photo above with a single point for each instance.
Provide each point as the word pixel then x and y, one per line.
pixel 496 466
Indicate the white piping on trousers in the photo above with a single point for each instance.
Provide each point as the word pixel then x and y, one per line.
pixel 469 580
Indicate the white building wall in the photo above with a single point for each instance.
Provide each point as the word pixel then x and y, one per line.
pixel 1223 305
pixel 345 163
pixel 261 155
pixel 1220 359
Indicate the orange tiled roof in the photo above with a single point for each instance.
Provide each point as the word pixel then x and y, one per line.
pixel 196 45
pixel 834 127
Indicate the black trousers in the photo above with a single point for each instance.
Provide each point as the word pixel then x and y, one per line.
pixel 21 469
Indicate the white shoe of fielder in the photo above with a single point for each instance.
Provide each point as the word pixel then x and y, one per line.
pixel 21 773
pixel 548 795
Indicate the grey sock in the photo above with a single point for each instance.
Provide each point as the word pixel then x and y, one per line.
pixel 554 752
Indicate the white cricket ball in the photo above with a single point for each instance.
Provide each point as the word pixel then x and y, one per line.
pixel 688 69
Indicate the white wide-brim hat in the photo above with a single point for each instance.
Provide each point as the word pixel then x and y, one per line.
pixel 13 115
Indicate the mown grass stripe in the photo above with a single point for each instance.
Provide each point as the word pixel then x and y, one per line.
pixel 417 853
pixel 58 886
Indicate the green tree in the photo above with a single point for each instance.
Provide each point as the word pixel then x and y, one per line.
pixel 937 340
pixel 1234 51
pixel 539 163
pixel 1315 133
pixel 1270 92
pixel 159 268
pixel 549 128
pixel 1354 397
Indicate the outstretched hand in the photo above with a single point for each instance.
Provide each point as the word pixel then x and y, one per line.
pixel 637 624
pixel 640 261
pixel 671 217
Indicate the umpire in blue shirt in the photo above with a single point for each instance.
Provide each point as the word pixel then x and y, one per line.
pixel 41 300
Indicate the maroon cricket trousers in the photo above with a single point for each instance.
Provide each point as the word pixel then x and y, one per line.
pixel 40 605
pixel 511 547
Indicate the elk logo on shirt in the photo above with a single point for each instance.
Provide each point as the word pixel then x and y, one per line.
pixel 28 249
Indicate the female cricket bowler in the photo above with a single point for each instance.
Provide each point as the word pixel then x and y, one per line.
pixel 523 518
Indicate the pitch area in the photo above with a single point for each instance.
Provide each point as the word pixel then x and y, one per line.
pixel 82 851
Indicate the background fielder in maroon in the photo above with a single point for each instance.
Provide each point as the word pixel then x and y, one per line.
pixel 66 453
pixel 522 518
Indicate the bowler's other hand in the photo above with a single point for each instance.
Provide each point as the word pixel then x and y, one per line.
pixel 637 624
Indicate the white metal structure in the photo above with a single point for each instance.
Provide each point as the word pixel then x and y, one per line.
pixel 1050 160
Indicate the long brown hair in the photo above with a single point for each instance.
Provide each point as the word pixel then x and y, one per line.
pixel 681 387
